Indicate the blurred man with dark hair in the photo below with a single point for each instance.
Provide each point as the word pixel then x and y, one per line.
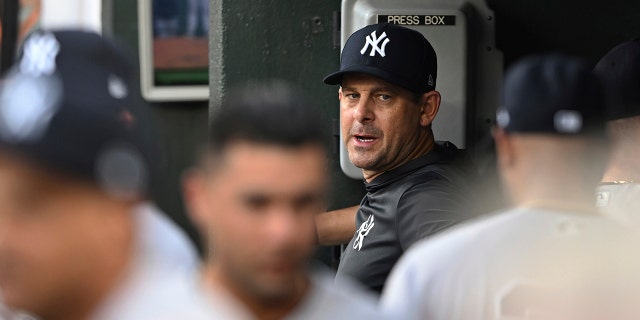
pixel 551 256
pixel 619 193
pixel 75 166
pixel 255 197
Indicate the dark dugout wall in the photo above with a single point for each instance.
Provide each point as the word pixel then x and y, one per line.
pixel 584 28
pixel 297 41
pixel 181 126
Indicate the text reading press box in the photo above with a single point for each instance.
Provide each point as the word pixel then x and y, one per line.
pixel 469 66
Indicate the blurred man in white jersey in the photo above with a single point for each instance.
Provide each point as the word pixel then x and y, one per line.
pixel 551 256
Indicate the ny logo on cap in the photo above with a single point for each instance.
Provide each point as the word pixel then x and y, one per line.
pixel 567 121
pixel 116 86
pixel 39 56
pixel 374 41
pixel 27 105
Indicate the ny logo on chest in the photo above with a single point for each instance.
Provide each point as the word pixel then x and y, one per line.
pixel 363 231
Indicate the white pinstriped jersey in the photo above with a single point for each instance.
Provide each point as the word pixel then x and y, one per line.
pixel 525 263
pixel 621 202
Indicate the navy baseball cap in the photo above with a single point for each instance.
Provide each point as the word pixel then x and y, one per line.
pixel 395 54
pixel 619 71
pixel 551 94
pixel 70 104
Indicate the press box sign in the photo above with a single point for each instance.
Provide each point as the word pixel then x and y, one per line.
pixel 418 20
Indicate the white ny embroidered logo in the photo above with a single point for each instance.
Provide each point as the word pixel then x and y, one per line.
pixel 374 41
pixel 39 56
pixel 364 230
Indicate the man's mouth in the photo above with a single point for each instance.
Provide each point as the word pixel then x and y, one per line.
pixel 365 138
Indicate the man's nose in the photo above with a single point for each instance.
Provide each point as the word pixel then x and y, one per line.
pixel 284 225
pixel 363 111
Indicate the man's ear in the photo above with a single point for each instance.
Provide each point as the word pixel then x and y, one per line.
pixel 340 93
pixel 429 106
pixel 504 147
pixel 194 195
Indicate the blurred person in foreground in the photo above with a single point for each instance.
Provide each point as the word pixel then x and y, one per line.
pixel 255 195
pixel 75 167
pixel 551 256
pixel 619 193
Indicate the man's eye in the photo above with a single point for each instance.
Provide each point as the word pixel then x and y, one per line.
pixel 384 97
pixel 352 95
pixel 27 204
pixel 308 202
pixel 256 202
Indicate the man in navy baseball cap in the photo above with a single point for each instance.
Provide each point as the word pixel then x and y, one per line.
pixel 551 251
pixel 618 193
pixel 75 165
pixel 415 185
pixel 552 116
pixel 69 104
pixel 619 71
pixel 554 95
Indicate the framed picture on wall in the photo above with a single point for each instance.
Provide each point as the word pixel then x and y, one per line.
pixel 174 55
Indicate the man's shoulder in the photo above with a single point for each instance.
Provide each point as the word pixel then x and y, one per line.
pixel 342 299
pixel 436 261
pixel 162 240
pixel 446 183
pixel 614 193
pixel 445 163
pixel 448 165
pixel 158 293
pixel 461 238
pixel 449 154
pixel 424 274
pixel 623 198
pixel 519 225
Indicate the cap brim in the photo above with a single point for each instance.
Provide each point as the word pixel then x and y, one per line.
pixel 336 77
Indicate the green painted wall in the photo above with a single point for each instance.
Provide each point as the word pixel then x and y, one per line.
pixel 290 40
pixel 181 126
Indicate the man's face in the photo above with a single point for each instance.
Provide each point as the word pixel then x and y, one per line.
pixel 260 203
pixel 52 235
pixel 380 122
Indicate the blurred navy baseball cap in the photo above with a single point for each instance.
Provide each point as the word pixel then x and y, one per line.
pixel 395 54
pixel 70 104
pixel 619 71
pixel 551 94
